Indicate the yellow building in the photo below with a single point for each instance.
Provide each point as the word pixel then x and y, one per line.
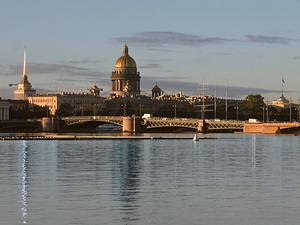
pixel 78 101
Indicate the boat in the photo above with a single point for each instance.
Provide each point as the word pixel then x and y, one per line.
pixel 196 138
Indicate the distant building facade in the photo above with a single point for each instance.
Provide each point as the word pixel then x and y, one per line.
pixel 125 79
pixel 78 101
pixel 25 89
pixel 4 110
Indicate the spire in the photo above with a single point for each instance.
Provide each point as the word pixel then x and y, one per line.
pixel 125 50
pixel 24 68
pixel 24 83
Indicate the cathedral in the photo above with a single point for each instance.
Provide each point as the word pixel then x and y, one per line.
pixel 125 79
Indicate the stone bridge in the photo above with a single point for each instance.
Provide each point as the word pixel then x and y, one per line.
pixel 134 124
pixel 129 124
pixel 76 120
pixel 20 126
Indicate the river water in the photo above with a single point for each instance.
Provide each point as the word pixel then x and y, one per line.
pixel 234 179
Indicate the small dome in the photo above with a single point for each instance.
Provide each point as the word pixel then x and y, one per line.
pixel 125 60
pixel 156 87
pixel 283 100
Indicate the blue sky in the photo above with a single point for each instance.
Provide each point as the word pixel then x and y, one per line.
pixel 179 44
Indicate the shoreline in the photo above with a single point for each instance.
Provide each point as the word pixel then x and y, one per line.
pixel 92 137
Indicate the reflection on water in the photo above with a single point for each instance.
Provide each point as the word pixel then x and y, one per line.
pixel 125 173
pixel 23 180
pixel 234 179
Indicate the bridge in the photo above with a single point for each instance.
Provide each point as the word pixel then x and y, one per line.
pixel 76 120
pixel 129 124
pixel 155 122
pixel 19 126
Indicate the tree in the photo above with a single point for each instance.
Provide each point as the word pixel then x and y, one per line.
pixel 65 109
pixel 255 102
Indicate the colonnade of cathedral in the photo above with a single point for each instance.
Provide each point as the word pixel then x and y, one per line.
pixel 119 85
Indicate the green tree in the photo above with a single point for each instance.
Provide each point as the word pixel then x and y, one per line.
pixel 255 102
pixel 65 109
pixel 39 111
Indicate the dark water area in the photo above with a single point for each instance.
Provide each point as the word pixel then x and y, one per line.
pixel 234 179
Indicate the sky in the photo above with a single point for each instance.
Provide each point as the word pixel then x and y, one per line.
pixel 246 46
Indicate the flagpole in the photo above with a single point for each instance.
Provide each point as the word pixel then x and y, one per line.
pixel 282 81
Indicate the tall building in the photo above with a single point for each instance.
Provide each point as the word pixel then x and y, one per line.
pixel 125 79
pixel 25 89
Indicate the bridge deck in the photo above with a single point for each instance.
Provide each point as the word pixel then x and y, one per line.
pixel 156 122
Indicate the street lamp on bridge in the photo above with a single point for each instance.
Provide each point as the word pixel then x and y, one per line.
pixel 94 109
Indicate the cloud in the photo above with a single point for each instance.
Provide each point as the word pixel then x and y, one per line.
pixel 296 57
pixel 55 69
pixel 151 65
pixel 43 68
pixel 223 53
pixel 175 85
pixel 162 38
pixel 86 61
pixel 7 93
pixel 170 38
pixel 267 39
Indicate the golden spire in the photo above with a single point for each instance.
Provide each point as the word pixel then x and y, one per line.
pixel 24 83
pixel 24 68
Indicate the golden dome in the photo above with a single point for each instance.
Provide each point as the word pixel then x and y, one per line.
pixel 25 83
pixel 125 60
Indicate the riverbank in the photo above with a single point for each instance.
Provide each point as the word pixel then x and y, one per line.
pixel 95 137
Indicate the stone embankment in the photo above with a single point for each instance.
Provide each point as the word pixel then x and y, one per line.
pixel 271 128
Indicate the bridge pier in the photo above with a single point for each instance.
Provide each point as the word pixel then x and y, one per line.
pixel 50 124
pixel 131 125
pixel 202 126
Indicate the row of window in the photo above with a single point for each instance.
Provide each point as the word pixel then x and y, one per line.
pixel 43 100
pixel 83 101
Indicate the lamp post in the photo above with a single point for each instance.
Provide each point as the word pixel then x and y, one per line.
pixel 290 110
pixel 94 108
pixel 175 107
pixel 267 113
pixel 124 108
pixel 237 111
pixel 299 110
pixel 263 114
pixel 226 103
pixel 140 107
pixel 81 107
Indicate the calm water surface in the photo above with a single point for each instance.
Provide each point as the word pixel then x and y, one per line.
pixel 234 179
